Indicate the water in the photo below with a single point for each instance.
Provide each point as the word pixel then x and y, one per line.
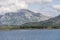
pixel 30 35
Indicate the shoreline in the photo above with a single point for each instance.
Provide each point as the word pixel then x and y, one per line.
pixel 25 29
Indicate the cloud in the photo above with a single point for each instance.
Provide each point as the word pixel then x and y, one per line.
pixel 14 5
pixel 56 6
pixel 32 1
pixel 47 0
pixel 37 1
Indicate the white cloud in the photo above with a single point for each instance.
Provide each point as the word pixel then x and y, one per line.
pixel 47 0
pixel 14 5
pixel 33 1
pixel 37 1
pixel 56 6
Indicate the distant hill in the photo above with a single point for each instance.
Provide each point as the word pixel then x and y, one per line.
pixel 50 22
pixel 21 17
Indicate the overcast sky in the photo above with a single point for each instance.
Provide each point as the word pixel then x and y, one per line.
pixel 46 7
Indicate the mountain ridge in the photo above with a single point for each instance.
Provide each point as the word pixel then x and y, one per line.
pixel 21 17
pixel 50 22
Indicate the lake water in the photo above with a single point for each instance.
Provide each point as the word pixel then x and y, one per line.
pixel 30 35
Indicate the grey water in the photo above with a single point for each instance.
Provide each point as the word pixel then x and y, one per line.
pixel 30 35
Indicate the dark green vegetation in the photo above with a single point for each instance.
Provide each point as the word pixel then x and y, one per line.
pixel 41 26
pixel 28 27
pixel 8 27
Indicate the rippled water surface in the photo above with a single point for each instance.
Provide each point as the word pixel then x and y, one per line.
pixel 30 35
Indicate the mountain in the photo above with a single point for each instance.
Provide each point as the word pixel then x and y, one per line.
pixel 0 19
pixel 50 22
pixel 21 17
pixel 53 21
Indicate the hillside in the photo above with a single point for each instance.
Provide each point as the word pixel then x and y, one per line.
pixel 52 22
pixel 21 16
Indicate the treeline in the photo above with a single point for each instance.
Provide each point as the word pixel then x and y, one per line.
pixel 9 27
pixel 28 27
pixel 40 27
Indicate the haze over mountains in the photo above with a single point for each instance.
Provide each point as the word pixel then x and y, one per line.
pixel 50 22
pixel 21 17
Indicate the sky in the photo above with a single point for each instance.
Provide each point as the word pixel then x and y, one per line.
pixel 45 7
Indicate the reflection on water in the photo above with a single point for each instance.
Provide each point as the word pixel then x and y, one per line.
pixel 30 35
